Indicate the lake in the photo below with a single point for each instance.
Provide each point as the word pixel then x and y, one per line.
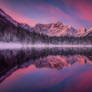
pixel 46 70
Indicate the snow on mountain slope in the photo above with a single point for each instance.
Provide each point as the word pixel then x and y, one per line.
pixel 59 29
pixel 56 29
pixel 81 31
pixel 87 33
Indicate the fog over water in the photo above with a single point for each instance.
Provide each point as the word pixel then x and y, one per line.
pixel 11 45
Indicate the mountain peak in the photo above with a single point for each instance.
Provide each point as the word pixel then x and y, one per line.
pixel 83 29
pixel 55 29
pixel 58 23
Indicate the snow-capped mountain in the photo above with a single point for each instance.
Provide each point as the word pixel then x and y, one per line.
pixel 87 33
pixel 60 30
pixel 56 29
pixel 81 31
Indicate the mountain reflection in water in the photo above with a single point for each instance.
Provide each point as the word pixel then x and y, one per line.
pixel 46 70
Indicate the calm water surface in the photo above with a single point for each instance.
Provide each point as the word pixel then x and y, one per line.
pixel 48 70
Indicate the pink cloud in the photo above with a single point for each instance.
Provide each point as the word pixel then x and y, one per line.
pixel 16 16
pixel 52 13
pixel 83 9
pixel 83 82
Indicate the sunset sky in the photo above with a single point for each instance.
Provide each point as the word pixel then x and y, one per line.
pixel 77 13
